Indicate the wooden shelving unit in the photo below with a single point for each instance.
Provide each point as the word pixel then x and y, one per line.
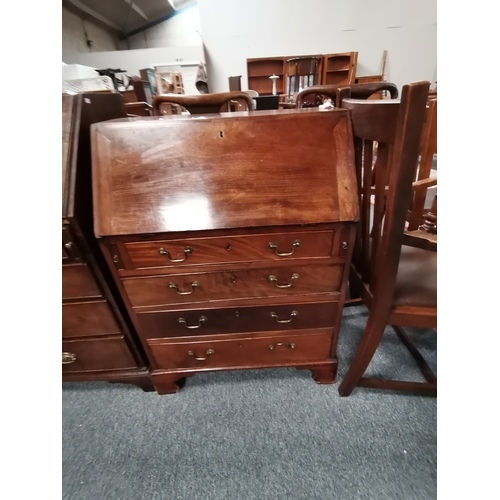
pixel 260 69
pixel 337 68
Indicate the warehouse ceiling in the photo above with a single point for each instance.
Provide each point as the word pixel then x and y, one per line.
pixel 127 17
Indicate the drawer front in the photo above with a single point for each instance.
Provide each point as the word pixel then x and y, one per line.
pixel 100 354
pixel 88 318
pixel 78 282
pixel 252 351
pixel 230 249
pixel 221 285
pixel 238 320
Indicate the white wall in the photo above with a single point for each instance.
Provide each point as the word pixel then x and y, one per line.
pixel 134 60
pixel 73 35
pixel 234 30
pixel 181 30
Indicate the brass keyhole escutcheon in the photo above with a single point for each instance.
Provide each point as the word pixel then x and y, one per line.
pixel 228 247
pixel 233 279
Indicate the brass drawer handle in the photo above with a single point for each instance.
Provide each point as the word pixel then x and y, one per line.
pixel 292 314
pixel 194 284
pixel 200 321
pixel 273 278
pixel 68 358
pixel 187 252
pixel 274 247
pixel 288 344
pixel 209 351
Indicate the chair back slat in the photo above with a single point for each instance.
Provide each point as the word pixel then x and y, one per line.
pixel 336 92
pixel 428 148
pixel 387 138
pixel 204 103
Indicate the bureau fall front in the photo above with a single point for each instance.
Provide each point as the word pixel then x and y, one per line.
pixel 229 236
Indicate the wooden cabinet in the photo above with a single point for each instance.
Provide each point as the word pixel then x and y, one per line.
pixel 337 68
pixel 98 342
pixel 229 236
pixel 259 71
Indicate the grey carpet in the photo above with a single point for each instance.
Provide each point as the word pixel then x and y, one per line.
pixel 256 434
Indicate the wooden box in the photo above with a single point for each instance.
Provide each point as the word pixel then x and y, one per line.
pixel 229 236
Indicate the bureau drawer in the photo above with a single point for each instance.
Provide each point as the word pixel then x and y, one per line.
pixel 88 318
pixel 78 282
pixel 223 285
pixel 230 249
pixel 238 319
pixel 100 354
pixel 241 351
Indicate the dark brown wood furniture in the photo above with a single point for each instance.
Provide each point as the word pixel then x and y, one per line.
pixel 375 79
pixel 340 68
pixel 331 69
pixel 97 341
pixel 230 236
pixel 396 282
pixel 356 91
pixel 302 72
pixel 205 103
pixel 423 181
pixel 139 109
pixel 260 69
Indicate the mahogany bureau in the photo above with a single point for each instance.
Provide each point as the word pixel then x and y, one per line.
pixel 229 236
pixel 97 342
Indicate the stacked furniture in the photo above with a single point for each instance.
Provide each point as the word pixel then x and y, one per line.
pixel 334 69
pixel 98 342
pixel 229 236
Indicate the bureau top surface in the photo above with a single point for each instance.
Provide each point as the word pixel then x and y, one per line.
pixel 228 170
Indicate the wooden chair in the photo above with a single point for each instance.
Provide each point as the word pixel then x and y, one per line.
pixel 421 227
pixel 396 282
pixel 138 109
pixel 205 103
pixel 355 90
pixel 302 72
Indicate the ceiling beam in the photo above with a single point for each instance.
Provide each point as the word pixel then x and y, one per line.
pixel 137 9
pixel 123 36
pixel 95 14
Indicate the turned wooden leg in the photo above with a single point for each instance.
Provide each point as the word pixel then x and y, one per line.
pixel 322 374
pixel 369 342
pixel 169 383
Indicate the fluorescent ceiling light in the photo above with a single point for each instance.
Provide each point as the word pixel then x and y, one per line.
pixel 180 4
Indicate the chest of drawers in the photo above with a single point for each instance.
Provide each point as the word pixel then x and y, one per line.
pixel 229 236
pixel 97 343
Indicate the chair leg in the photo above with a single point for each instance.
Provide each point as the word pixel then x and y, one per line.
pixel 354 292
pixel 372 336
